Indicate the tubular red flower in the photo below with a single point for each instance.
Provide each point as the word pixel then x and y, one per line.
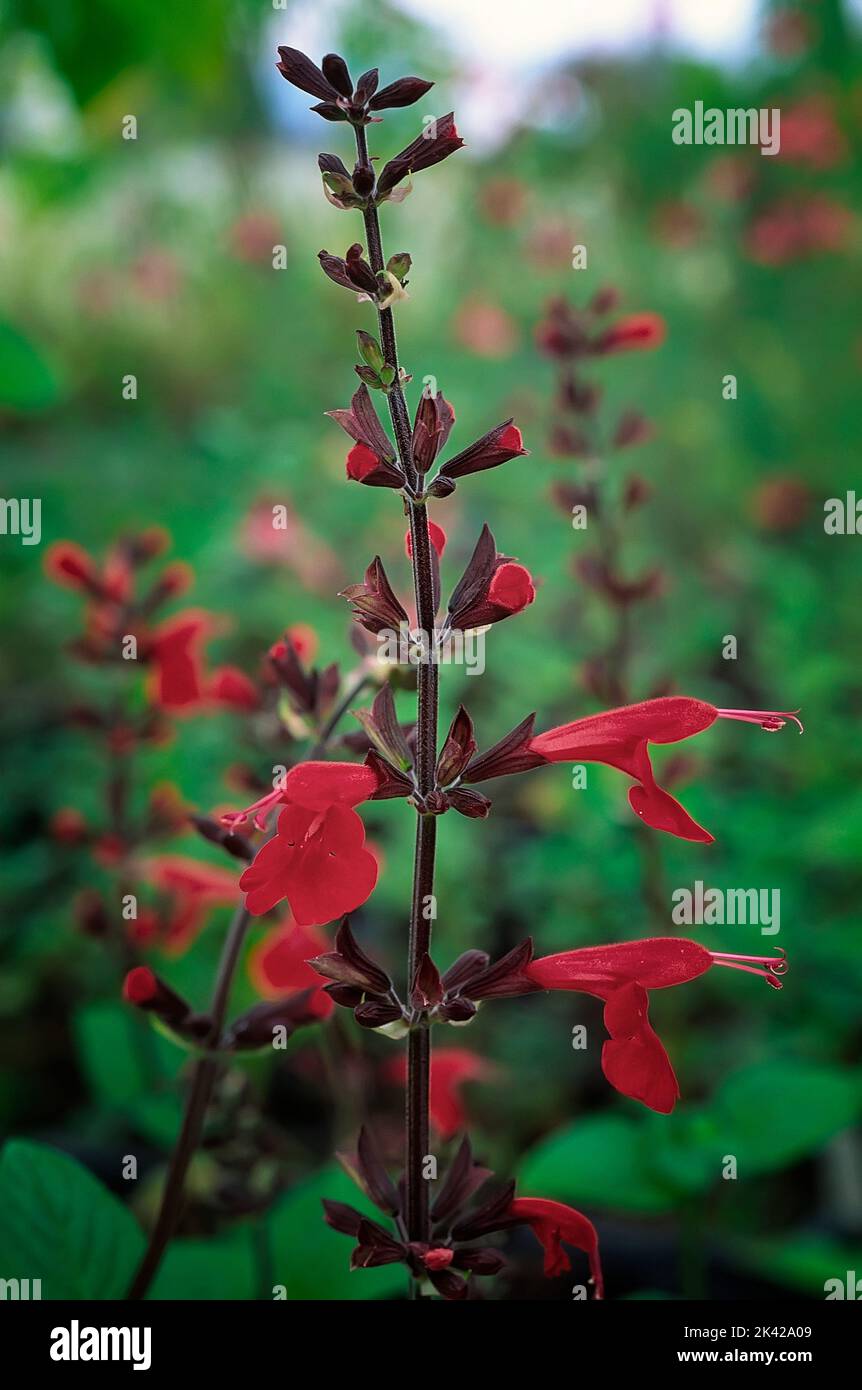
pixel 553 1223
pixel 317 860
pixel 633 1059
pixel 179 683
pixel 492 587
pixel 638 331
pixel 620 739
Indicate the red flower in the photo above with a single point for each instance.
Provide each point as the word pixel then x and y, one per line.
pixel 633 1058
pixel 512 588
pixel 193 888
pixel 552 1223
pixel 69 564
pixel 492 587
pixel 278 966
pixel 180 681
pixel 620 738
pixel 317 860
pixel 232 687
pixel 451 1067
pixel 639 331
pixel 360 462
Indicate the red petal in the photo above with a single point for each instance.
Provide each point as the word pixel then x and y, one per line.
pixel 634 1060
pixel 230 686
pixel 655 962
pixel 317 861
pixel 658 809
pixel 360 462
pixel 667 720
pixel 318 785
pixel 512 588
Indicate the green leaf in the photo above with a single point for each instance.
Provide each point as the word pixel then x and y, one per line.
pixel 27 380
pixel 598 1161
pixel 311 1260
pixel 773 1114
pixel 223 1267
pixel 59 1224
pixel 131 1068
pixel 804 1262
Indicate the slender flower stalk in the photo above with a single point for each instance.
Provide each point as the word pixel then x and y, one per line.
pixel 419 942
pixel 206 1068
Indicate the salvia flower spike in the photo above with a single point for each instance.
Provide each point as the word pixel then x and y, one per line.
pixel 315 857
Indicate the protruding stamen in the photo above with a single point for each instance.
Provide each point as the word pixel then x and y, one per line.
pixel 769 719
pixel 259 809
pixel 768 968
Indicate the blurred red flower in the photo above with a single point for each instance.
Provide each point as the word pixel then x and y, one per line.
pixel 277 965
pixel 193 888
pixel 451 1067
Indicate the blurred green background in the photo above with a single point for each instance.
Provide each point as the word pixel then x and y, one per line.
pixel 154 257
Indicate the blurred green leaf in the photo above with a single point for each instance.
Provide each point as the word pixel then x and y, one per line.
pixel 130 1068
pixel 775 1113
pixel 601 1160
pixel 223 1267
pixel 28 382
pixel 60 1225
pixel 311 1260
pixel 802 1262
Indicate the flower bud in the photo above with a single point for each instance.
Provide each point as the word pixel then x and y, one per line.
pixel 370 350
pixel 256 1028
pixel 399 266
pixel 373 602
pixel 496 447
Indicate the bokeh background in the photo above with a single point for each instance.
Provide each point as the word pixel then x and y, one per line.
pixel 155 257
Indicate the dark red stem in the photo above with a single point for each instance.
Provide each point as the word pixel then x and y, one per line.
pixel 421 914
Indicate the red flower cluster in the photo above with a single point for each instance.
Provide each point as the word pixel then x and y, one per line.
pixel 173 651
